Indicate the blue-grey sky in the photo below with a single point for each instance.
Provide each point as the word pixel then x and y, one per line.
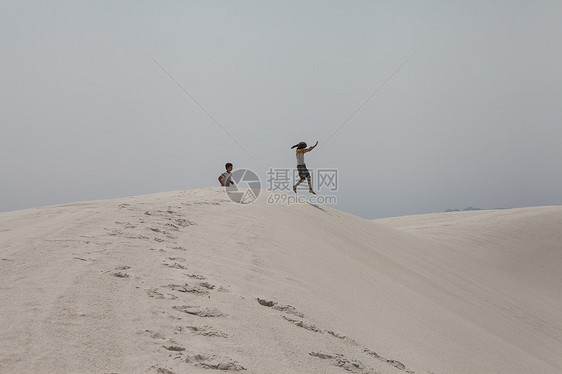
pixel 474 118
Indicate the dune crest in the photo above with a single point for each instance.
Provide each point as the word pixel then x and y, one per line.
pixel 188 281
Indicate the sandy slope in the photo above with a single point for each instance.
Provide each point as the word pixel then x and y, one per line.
pixel 170 283
pixel 511 263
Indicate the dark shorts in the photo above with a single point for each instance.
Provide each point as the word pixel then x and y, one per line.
pixel 303 172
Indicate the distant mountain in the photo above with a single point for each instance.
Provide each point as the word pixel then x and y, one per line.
pixel 464 210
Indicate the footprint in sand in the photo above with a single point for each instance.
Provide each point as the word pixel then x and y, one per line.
pixel 127 225
pixel 175 265
pixel 180 259
pixel 184 222
pixel 197 276
pixel 212 362
pixel 154 335
pixel 302 324
pixel 291 310
pixel 207 285
pixel 203 330
pixel 198 311
pixel 114 232
pixel 155 294
pixel 172 227
pixel 185 288
pixel 164 371
pixel 175 348
pixel 120 274
pixel 396 364
pixel 353 366
pixel 169 236
pixel 342 337
pixel 283 308
pixel 161 313
pixel 158 295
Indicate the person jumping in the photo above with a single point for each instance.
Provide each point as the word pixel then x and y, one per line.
pixel 301 167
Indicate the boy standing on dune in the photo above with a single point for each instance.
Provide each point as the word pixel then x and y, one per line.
pixel 225 178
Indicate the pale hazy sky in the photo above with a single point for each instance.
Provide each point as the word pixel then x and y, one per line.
pixel 474 118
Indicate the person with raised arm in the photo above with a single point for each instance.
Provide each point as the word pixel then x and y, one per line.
pixel 301 166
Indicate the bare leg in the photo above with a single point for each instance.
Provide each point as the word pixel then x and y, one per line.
pixel 296 185
pixel 310 186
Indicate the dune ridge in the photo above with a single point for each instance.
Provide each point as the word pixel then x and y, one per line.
pixel 187 281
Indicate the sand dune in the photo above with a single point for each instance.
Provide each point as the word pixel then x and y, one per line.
pixel 187 281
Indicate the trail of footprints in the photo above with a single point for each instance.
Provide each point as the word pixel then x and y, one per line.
pixel 163 223
pixel 171 222
pixel 196 287
pixel 163 228
pixel 351 365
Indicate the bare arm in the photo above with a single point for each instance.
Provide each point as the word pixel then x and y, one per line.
pixel 311 147
pixel 220 181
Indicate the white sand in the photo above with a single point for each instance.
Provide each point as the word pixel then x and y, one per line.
pixel 109 287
